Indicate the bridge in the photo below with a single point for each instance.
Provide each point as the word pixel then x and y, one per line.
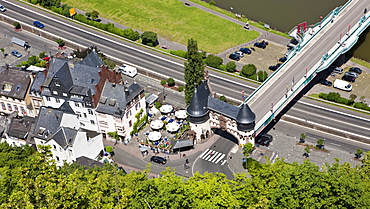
pixel 319 46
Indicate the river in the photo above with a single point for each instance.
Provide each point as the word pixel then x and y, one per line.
pixel 283 15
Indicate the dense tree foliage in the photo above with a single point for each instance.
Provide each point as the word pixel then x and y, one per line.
pixel 149 38
pixel 193 70
pixel 29 180
pixel 213 61
pixel 248 70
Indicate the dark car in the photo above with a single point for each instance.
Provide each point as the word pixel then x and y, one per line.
pixel 234 57
pixel 245 50
pixel 356 70
pixel 158 159
pixel 282 59
pixel 264 139
pixel 353 74
pixel 260 45
pixel 273 67
pixel 326 82
pixel 38 24
pixel 349 78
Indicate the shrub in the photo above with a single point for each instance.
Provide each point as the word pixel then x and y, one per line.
pixel 213 61
pixel 109 149
pixel 179 53
pixel 222 67
pixel 231 67
pixel 262 76
pixel 42 55
pixel 131 34
pixel 323 96
pixel 60 42
pixel 212 3
pixel 17 25
pixel 248 70
pixel 163 82
pixel 361 105
pixel 180 89
pixel 170 82
pixel 223 98
pixel 332 96
pixel 157 105
pixel 342 100
pixel 149 38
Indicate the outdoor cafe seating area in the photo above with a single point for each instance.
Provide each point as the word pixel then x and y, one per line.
pixel 165 125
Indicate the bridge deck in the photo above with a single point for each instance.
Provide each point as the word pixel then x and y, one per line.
pixel 276 88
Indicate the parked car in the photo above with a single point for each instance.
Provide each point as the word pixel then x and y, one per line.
pixel 282 59
pixel 349 78
pixel 38 24
pixel 16 53
pixel 336 70
pixel 264 139
pixel 351 74
pixel 326 82
pixel 234 57
pixel 260 45
pixel 245 50
pixel 239 53
pixel 158 159
pixel 356 70
pixel 274 67
pixel 2 8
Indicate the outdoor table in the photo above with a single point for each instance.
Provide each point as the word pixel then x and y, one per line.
pixel 154 136
pixel 156 124
pixel 181 114
pixel 166 109
pixel 172 127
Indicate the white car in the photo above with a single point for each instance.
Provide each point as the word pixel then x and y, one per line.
pixel 2 8
pixel 239 53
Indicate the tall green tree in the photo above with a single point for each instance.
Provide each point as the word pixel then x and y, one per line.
pixel 193 71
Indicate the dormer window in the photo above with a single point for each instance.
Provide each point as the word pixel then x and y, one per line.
pixel 6 87
pixel 57 84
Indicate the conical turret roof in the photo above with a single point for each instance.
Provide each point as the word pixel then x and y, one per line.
pixel 199 102
pixel 245 115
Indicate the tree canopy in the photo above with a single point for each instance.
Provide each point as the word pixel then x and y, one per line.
pixel 29 180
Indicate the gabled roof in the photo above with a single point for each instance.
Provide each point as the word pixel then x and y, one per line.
pixel 85 76
pixel 87 162
pixel 64 137
pixel 92 60
pixel 222 107
pixel 66 108
pixel 14 83
pixel 48 122
pixel 199 104
pixel 37 82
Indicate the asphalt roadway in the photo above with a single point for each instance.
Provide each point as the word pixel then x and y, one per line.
pixel 229 86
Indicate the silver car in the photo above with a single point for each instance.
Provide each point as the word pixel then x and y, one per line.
pixel 353 74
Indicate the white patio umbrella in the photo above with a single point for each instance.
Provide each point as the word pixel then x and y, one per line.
pixel 172 127
pixel 156 124
pixel 166 109
pixel 154 136
pixel 181 114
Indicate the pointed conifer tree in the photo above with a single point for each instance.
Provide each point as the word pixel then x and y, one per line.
pixel 193 71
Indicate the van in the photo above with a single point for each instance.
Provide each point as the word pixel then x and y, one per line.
pixel 342 85
pixel 337 70
pixel 128 70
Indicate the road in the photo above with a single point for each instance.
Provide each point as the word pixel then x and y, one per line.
pixel 308 57
pixel 157 62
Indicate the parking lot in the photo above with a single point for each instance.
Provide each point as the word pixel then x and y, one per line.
pixel 37 43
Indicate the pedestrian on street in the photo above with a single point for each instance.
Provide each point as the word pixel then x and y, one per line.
pixel 187 161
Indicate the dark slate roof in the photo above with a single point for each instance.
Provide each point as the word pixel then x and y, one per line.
pixel 21 127
pixel 114 99
pixel 85 76
pixel 181 144
pixel 55 65
pixel 48 122
pixel 37 82
pixel 92 60
pixel 245 115
pixel 64 76
pixel 18 80
pixel 222 107
pixel 66 108
pixel 88 162
pixel 198 104
pixel 64 137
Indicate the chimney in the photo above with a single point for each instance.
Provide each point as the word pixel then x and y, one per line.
pixel 114 84
pixel 126 92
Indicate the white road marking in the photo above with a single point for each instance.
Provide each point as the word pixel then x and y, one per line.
pixel 223 155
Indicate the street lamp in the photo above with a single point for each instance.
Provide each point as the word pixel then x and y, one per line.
pixel 164 97
pixel 306 72
pixel 340 38
pixel 349 28
pixel 320 21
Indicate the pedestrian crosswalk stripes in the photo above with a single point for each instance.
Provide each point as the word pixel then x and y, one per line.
pixel 212 156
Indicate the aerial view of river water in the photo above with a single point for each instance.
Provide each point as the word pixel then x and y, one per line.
pixel 283 15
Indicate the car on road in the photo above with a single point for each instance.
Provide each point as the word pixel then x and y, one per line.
pixel 349 78
pixel 351 74
pixel 38 24
pixel 234 57
pixel 260 45
pixel 245 50
pixel 239 53
pixel 157 159
pixel 356 70
pixel 16 53
pixel 264 139
pixel 325 82
pixel 2 8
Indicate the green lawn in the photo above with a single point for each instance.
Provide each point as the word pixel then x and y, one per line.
pixel 171 20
